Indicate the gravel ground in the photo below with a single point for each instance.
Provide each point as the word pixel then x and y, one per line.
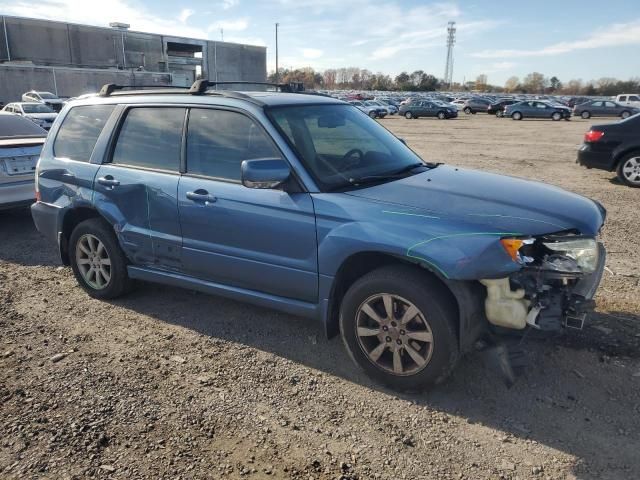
pixel 168 383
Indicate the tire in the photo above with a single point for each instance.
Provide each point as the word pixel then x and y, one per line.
pixel 467 110
pixel 435 318
pixel 628 169
pixel 586 115
pixel 442 115
pixel 556 116
pixel 408 115
pixel 85 235
pixel 373 114
pixel 499 114
pixel 625 114
pixel 516 116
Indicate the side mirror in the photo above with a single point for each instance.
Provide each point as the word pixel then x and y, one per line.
pixel 264 173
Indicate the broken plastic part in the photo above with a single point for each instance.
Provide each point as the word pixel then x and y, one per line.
pixel 504 307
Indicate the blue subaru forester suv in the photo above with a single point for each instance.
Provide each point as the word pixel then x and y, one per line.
pixel 302 203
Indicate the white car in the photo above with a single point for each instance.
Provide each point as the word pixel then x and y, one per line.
pixel 48 98
pixel 373 111
pixel 38 113
pixel 629 100
pixel 20 145
pixel 459 103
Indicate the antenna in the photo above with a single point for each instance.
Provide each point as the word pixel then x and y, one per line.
pixel 451 40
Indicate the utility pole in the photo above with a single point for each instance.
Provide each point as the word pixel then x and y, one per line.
pixel 451 40
pixel 277 72
pixel 222 34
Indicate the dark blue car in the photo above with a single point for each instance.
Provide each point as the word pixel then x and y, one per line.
pixel 304 204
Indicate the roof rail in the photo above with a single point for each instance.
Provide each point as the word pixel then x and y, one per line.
pixel 109 88
pixel 199 87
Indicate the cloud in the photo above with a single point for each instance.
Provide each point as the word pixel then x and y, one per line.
pixel 236 25
pixel 185 14
pixel 613 36
pixel 227 4
pixel 311 53
pixel 84 11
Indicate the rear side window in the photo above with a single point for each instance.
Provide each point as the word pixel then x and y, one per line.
pixel 633 98
pixel 80 130
pixel 151 138
pixel 219 140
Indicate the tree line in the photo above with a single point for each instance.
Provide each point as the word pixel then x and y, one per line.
pixel 354 78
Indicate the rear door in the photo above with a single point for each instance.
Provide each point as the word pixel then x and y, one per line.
pixel 257 239
pixel 137 186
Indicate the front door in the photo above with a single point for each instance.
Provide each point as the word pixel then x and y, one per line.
pixel 257 239
pixel 138 186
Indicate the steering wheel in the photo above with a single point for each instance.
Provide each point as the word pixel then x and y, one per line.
pixel 348 159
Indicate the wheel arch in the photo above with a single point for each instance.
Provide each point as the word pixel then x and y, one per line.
pixel 70 220
pixel 466 296
pixel 620 155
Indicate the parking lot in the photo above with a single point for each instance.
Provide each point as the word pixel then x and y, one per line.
pixel 168 383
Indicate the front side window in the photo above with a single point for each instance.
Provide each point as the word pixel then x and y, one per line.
pixel 596 104
pixel 339 145
pixel 151 138
pixel 633 98
pixel 80 130
pixel 218 141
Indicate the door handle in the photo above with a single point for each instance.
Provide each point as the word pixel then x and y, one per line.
pixel 201 196
pixel 108 181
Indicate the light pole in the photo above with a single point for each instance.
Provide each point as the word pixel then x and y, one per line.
pixel 277 72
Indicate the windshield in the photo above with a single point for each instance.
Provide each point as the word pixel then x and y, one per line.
pixel 339 144
pixel 36 108
pixel 47 95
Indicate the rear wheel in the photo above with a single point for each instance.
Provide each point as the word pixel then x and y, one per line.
pixel 467 110
pixel 408 115
pixel 625 114
pixel 555 116
pixel 585 115
pixel 98 263
pixel 442 115
pixel 516 116
pixel 373 114
pixel 398 325
pixel 629 170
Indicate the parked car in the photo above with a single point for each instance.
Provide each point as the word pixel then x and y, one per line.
pixel 614 147
pixel 604 108
pixel 573 101
pixel 391 110
pixel 459 104
pixel 48 98
pixel 21 141
pixel 497 108
pixel 319 211
pixel 475 105
pixel 537 109
pixel 427 108
pixel 374 111
pixel 629 100
pixel 38 113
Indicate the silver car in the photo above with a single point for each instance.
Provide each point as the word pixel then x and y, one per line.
pixel 537 109
pixel 38 113
pixel 604 108
pixel 21 141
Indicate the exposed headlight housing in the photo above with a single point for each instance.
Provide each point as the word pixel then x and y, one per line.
pixel 583 250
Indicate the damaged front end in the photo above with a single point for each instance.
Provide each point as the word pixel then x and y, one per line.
pixel 554 288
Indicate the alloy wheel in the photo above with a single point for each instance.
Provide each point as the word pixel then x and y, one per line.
pixel 631 170
pixel 93 261
pixel 394 334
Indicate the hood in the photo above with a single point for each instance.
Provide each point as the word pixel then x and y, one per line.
pixel 42 116
pixel 490 200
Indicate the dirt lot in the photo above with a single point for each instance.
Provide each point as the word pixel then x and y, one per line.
pixel 167 383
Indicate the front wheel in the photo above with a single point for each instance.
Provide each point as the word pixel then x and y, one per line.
pixel 373 114
pixel 398 325
pixel 625 114
pixel 467 110
pixel 555 116
pixel 442 115
pixel 408 115
pixel 98 263
pixel 499 114
pixel 629 170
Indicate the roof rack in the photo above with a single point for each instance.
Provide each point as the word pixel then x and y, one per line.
pixel 109 88
pixel 200 87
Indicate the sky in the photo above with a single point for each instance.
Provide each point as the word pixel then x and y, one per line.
pixel 585 39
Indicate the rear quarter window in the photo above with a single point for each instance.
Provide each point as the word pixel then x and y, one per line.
pixel 80 130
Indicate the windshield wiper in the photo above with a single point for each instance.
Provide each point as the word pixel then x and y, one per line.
pixel 391 175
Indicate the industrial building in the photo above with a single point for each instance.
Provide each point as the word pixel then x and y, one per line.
pixel 70 59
